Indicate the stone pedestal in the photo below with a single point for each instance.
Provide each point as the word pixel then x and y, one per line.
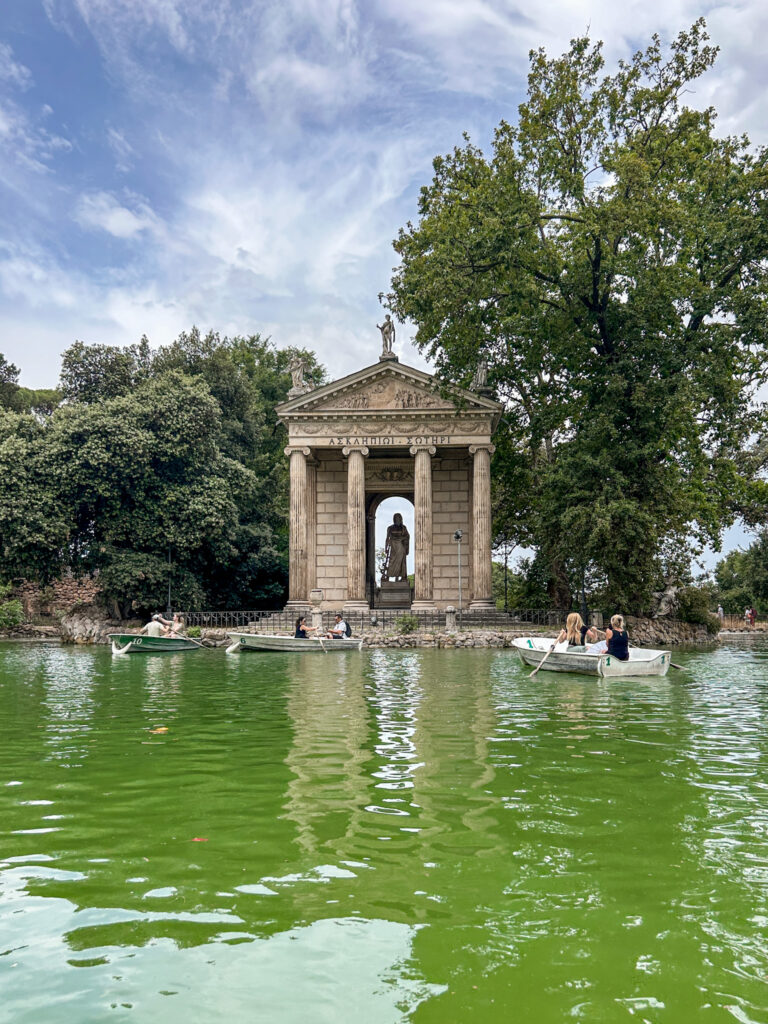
pixel 395 594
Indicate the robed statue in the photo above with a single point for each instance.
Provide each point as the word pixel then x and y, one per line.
pixel 396 548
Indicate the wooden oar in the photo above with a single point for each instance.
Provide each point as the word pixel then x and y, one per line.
pixel 554 645
pixel 191 639
pixel 325 649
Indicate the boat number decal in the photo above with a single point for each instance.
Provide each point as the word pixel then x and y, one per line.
pixel 138 642
pixel 663 658
pixel 530 644
pixel 242 640
pixel 607 661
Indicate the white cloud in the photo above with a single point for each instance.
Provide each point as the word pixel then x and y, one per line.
pixel 11 71
pixel 102 211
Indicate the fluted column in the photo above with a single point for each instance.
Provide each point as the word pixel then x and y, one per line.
pixel 297 528
pixel 422 501
pixel 311 524
pixel 482 596
pixel 355 528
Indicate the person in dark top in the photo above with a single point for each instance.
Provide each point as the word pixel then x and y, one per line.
pixel 302 629
pixel 617 639
pixel 575 631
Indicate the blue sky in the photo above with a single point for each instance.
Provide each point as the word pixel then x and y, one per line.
pixel 245 165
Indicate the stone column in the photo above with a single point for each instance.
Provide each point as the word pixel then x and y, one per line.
pixel 311 524
pixel 482 596
pixel 298 592
pixel 422 503
pixel 356 601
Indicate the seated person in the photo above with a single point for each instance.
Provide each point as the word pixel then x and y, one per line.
pixel 302 629
pixel 154 627
pixel 174 626
pixel 575 631
pixel 339 629
pixel 617 638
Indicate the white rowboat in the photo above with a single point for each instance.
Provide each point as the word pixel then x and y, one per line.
pixel 273 642
pixel 642 661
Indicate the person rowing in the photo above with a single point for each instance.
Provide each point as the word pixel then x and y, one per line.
pixel 575 632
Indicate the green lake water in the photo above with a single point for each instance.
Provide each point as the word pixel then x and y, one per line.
pixel 381 837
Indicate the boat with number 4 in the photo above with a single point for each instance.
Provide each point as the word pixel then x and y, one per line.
pixel 273 642
pixel 128 643
pixel 532 650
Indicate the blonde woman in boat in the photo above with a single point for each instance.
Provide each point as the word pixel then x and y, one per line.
pixel 617 638
pixel 575 632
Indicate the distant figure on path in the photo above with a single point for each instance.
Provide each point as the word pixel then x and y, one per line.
pixel 720 613
pixel 752 616
pixel 396 548
pixel 387 335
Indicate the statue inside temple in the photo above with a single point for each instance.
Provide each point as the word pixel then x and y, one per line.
pixel 396 550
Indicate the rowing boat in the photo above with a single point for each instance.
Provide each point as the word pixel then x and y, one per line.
pixel 128 643
pixel 643 661
pixel 273 642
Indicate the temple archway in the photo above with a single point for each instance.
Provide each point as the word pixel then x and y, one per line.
pixel 380 510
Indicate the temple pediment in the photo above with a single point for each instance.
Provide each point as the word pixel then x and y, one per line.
pixel 385 387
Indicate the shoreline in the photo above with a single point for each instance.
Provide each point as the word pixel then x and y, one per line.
pixel 644 633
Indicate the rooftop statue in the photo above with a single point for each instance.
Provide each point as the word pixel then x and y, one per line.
pixel 387 335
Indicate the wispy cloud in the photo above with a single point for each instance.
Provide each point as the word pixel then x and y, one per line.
pixel 105 212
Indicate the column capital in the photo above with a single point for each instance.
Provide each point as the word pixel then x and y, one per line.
pixel 348 449
pixel 293 449
pixel 423 448
pixel 475 448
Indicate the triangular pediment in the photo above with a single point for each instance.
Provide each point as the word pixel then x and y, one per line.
pixel 387 386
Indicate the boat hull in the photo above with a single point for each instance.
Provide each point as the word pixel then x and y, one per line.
pixel 642 661
pixel 132 643
pixel 271 642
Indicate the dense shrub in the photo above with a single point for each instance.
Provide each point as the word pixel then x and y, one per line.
pixel 693 606
pixel 407 624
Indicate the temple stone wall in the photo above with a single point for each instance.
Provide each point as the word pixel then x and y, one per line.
pixel 332 529
pixel 450 503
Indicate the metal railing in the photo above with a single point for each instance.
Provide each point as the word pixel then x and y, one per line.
pixel 281 621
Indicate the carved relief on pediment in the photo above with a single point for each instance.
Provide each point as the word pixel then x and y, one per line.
pixel 390 393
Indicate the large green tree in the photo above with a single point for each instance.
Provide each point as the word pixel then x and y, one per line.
pixel 608 262
pixel 154 451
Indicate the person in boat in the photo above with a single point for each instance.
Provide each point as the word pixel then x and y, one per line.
pixel 174 626
pixel 339 629
pixel 154 627
pixel 302 629
pixel 575 632
pixel 617 639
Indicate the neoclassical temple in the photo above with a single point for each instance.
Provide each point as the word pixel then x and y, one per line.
pixel 381 432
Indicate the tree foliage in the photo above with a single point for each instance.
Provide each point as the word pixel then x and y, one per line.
pixel 174 452
pixel 742 578
pixel 608 261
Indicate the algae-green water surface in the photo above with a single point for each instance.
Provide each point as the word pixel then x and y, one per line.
pixel 385 836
